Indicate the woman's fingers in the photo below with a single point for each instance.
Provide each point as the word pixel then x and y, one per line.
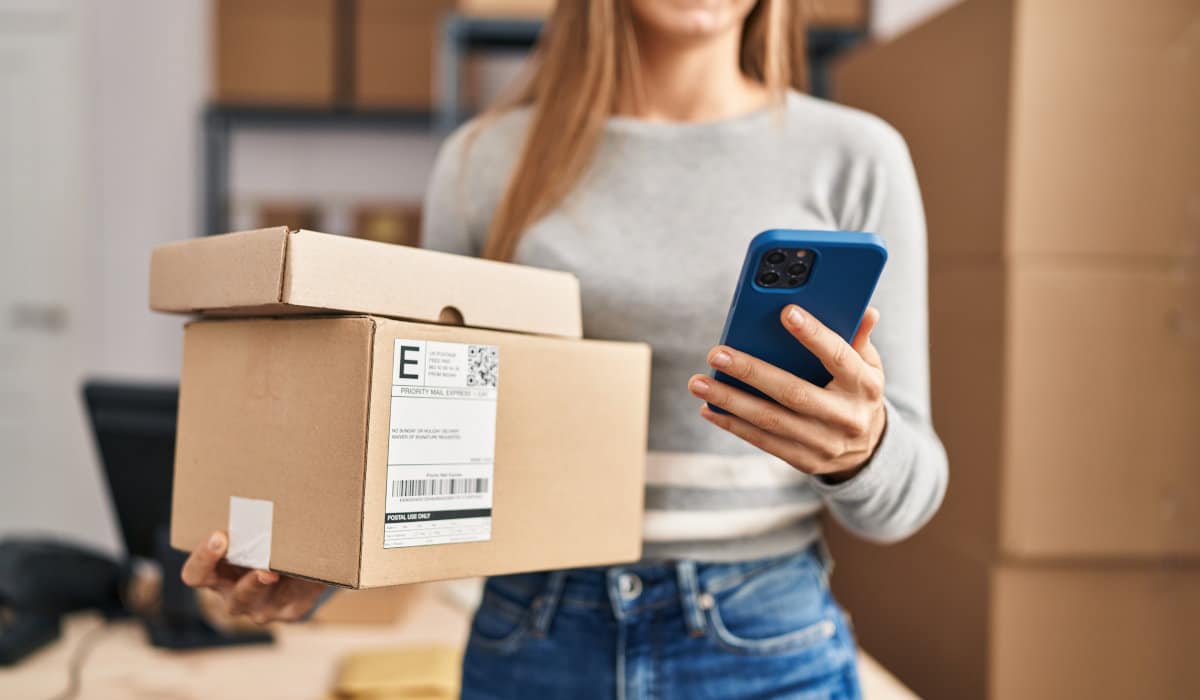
pixel 862 339
pixel 766 415
pixel 201 567
pixel 838 356
pixel 250 594
pixel 795 454
pixel 802 397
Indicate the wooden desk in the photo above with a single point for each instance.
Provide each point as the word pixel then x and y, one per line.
pixel 299 666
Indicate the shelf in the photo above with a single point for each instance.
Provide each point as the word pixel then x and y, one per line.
pixel 460 36
pixel 260 117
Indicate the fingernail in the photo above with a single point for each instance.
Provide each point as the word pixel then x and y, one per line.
pixel 215 542
pixel 794 316
pixel 721 359
pixel 700 385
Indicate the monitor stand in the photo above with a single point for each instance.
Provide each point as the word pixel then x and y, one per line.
pixel 181 625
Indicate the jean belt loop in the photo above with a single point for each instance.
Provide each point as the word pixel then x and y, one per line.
pixel 694 601
pixel 825 558
pixel 546 604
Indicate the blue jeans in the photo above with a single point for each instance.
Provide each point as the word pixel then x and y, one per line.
pixel 764 629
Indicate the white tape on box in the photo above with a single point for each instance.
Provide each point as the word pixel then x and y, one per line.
pixel 250 532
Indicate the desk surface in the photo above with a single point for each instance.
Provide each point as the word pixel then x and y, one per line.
pixel 299 666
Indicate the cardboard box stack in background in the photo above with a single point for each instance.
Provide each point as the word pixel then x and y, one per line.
pixel 1059 158
pixel 337 442
pixel 277 52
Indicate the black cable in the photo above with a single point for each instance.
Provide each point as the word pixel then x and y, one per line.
pixel 78 657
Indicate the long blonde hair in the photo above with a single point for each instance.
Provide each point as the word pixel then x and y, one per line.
pixel 585 68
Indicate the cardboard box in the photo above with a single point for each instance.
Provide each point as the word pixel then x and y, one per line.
pixel 834 13
pixel 293 215
pixel 307 434
pixel 276 52
pixel 1068 398
pixel 395 50
pixel 397 223
pixel 953 625
pixel 374 606
pixel 1055 128
pixel 506 8
pixel 279 272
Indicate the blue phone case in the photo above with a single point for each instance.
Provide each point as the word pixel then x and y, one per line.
pixel 844 271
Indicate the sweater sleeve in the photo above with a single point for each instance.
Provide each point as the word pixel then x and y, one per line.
pixel 902 484
pixel 444 216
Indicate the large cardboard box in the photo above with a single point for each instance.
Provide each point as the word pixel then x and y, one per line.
pixel 1060 168
pixel 366 451
pixel 278 271
pixel 395 50
pixel 1068 398
pixel 277 52
pixel 954 625
pixel 1055 128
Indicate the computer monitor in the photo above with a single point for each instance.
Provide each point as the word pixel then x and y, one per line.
pixel 134 427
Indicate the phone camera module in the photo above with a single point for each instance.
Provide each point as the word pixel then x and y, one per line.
pixel 768 278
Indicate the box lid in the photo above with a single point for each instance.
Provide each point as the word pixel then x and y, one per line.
pixel 276 271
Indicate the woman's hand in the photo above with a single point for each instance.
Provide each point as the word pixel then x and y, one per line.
pixel 831 431
pixel 263 596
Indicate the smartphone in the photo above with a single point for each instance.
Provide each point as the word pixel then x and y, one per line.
pixel 830 274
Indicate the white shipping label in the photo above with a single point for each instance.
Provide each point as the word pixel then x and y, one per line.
pixel 442 446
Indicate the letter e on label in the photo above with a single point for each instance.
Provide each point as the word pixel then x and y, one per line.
pixel 408 366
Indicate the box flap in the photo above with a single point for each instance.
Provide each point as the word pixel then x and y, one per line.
pixel 275 272
pixel 237 269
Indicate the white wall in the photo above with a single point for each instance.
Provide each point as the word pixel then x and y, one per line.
pixel 147 76
pixel 142 80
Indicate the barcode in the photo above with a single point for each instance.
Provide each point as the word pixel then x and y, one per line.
pixel 402 488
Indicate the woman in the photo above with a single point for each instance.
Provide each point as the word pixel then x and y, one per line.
pixel 653 139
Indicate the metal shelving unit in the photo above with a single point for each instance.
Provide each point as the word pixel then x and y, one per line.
pixel 460 36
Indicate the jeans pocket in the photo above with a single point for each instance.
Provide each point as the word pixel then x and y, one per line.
pixel 504 615
pixel 784 608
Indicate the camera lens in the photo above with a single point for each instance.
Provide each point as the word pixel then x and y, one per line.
pixel 775 257
pixel 797 269
pixel 768 278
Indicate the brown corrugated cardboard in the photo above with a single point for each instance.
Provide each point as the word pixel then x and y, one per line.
pixel 506 8
pixel 277 272
pixel 279 52
pixel 298 412
pixel 954 626
pixel 1068 397
pixel 1046 128
pixel 1065 354
pixel 834 13
pixel 395 47
pixel 374 606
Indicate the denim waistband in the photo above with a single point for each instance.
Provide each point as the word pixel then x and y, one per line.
pixel 638 589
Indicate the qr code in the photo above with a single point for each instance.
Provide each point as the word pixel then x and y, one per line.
pixel 483 365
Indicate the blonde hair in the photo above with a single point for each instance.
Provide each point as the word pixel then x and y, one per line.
pixel 583 70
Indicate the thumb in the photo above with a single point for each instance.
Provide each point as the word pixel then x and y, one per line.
pixel 200 569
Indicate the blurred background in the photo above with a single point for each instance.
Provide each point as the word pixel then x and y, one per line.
pixel 1058 148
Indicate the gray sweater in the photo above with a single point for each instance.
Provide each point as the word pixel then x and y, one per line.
pixel 656 231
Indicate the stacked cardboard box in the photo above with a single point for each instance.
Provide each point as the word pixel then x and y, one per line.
pixel 337 442
pixel 1059 157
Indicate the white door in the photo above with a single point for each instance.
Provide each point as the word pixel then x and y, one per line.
pixel 49 483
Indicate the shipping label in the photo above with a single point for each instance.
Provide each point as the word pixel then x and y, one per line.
pixel 442 444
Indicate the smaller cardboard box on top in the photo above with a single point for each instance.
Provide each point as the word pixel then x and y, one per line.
pixel 337 442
